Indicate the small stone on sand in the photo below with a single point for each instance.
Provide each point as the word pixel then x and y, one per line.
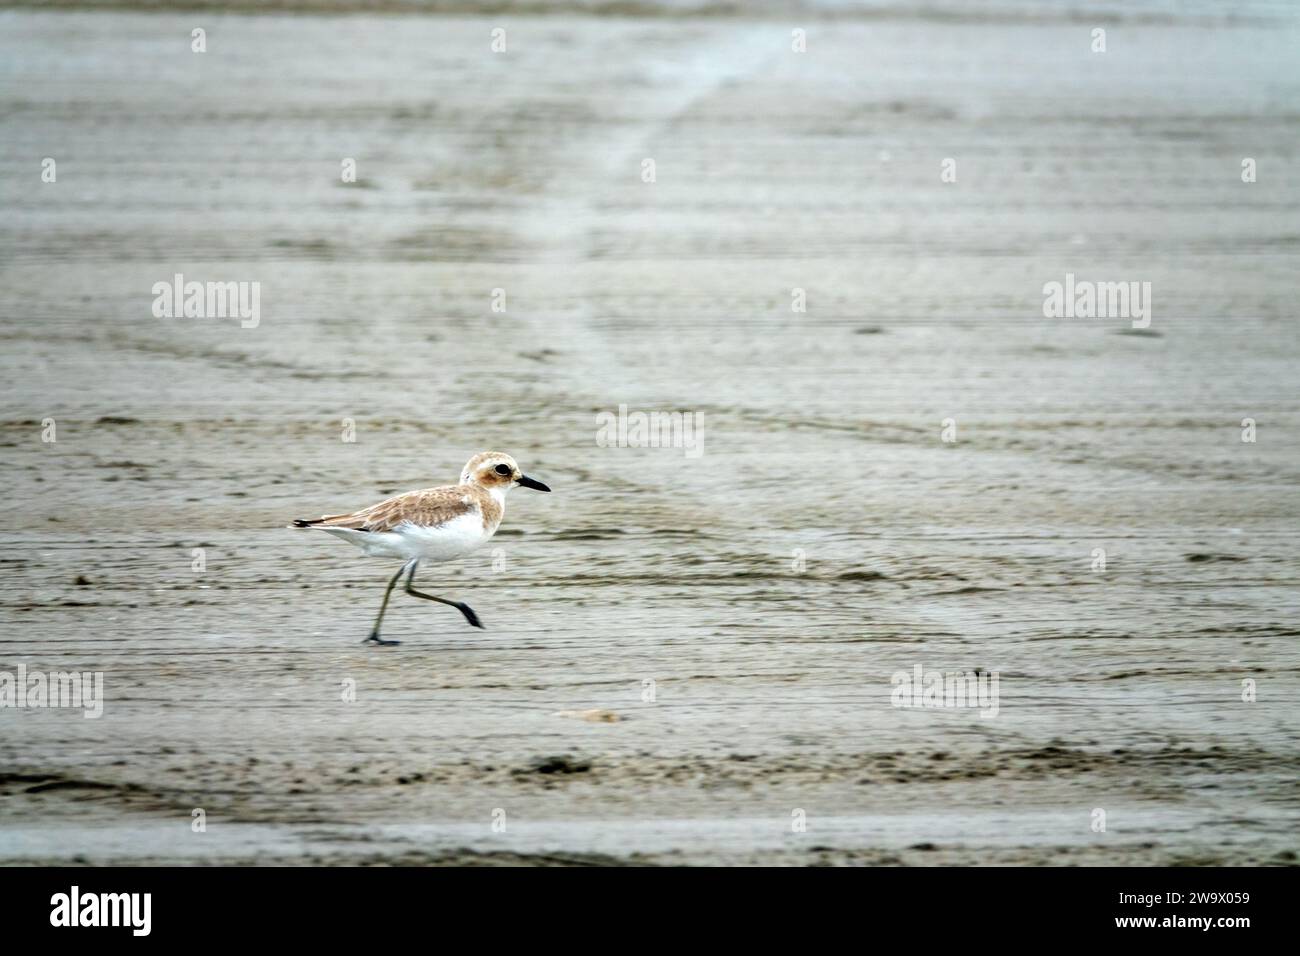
pixel 594 716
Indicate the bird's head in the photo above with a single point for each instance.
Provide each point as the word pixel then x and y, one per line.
pixel 497 471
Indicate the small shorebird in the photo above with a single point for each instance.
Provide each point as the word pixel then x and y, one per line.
pixel 435 523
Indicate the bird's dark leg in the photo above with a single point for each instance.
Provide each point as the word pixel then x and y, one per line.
pixel 458 605
pixel 374 631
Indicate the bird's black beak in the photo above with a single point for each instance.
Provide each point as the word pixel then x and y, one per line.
pixel 526 482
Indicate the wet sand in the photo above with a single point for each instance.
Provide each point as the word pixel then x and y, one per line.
pixel 826 538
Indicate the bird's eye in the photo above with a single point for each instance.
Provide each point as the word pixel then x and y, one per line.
pixel 503 470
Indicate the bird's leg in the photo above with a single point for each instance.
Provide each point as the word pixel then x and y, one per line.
pixel 374 631
pixel 458 605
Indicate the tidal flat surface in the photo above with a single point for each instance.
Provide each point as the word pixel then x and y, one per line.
pixel 736 616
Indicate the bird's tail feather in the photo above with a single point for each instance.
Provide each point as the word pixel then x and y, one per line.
pixel 349 522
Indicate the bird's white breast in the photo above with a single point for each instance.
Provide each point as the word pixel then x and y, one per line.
pixel 451 539
pixel 448 540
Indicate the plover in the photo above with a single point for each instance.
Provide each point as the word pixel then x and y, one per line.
pixel 436 524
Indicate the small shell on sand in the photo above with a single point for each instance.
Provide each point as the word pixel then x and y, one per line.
pixel 595 716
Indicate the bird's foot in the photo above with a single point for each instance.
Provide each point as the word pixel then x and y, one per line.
pixel 470 615
pixel 379 642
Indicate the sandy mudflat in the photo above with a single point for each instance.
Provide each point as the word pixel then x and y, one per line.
pixel 826 538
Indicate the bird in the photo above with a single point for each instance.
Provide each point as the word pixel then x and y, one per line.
pixel 433 524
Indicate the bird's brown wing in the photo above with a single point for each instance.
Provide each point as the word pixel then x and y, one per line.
pixel 429 508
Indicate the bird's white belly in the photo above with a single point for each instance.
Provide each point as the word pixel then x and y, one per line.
pixel 456 537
